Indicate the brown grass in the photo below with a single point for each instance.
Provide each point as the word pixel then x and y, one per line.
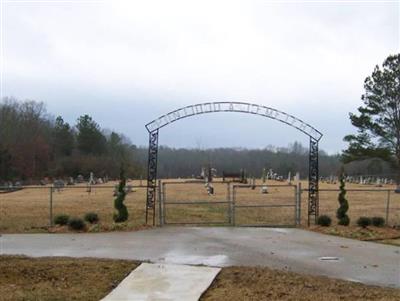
pixel 256 283
pixel 56 278
pixel 28 210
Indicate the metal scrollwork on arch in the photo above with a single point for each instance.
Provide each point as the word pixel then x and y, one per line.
pixel 154 126
pixel 241 107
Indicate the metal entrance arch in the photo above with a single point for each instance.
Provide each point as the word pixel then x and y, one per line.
pixel 154 126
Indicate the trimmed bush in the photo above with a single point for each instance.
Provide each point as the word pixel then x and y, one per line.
pixel 364 221
pixel 61 219
pixel 344 221
pixel 378 221
pixel 121 214
pixel 324 221
pixel 91 217
pixel 76 223
pixel 341 213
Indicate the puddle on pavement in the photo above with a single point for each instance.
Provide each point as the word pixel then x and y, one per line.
pixel 329 258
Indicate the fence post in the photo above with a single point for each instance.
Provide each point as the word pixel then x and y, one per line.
pixel 159 203
pixel 298 204
pixel 233 204
pixel 387 207
pixel 229 200
pixel 51 207
pixel 296 209
pixel 163 202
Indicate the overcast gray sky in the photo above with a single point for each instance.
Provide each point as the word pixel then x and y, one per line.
pixel 127 62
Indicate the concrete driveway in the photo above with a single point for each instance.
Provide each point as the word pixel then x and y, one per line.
pixel 289 249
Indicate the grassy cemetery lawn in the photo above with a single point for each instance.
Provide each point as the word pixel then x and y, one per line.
pixel 27 210
pixel 60 278
pixel 260 283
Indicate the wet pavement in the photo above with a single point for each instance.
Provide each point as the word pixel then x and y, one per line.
pixel 287 249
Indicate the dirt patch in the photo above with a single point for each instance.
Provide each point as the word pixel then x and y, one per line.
pixel 256 283
pixel 24 278
pixel 60 278
pixel 377 234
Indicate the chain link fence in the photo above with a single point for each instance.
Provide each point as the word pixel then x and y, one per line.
pixel 363 202
pixel 32 208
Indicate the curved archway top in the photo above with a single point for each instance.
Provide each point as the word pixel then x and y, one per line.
pixel 241 107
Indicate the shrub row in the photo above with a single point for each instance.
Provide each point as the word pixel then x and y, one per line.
pixel 376 221
pixel 76 223
pixel 363 221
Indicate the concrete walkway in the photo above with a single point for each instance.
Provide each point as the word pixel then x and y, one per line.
pixel 290 249
pixel 160 281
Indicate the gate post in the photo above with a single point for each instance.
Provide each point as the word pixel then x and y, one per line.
pixel 152 174
pixel 313 181
pixel 298 204
pixel 160 203
pixel 163 202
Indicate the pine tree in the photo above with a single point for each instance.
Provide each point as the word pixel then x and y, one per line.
pixel 63 138
pixel 378 120
pixel 89 138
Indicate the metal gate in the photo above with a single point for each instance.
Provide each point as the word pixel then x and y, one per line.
pixel 266 206
pixel 188 203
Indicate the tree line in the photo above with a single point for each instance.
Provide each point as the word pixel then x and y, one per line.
pixel 34 145
pixel 183 162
